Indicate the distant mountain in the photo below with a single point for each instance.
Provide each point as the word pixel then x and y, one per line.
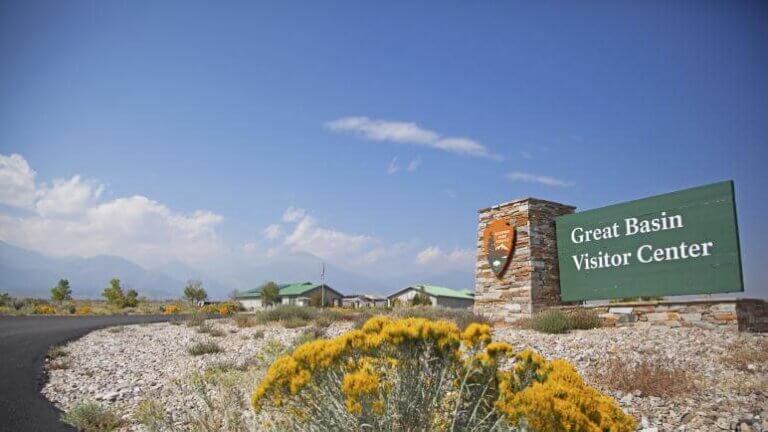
pixel 27 273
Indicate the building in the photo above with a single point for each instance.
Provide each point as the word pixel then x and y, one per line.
pixel 299 294
pixel 363 300
pixel 439 296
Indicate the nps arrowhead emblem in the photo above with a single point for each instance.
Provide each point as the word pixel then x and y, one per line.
pixel 499 242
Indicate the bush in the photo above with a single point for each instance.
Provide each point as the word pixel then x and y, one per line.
pixel 200 348
pixel 83 310
pixel 243 321
pixel 258 334
pixel 285 313
pixel 56 352
pixel 550 321
pixel 216 332
pixel 583 319
pixel 150 414
pixel 5 300
pixel 92 417
pixel 43 309
pixel 295 323
pixel 171 309
pixel 230 308
pixel 196 320
pixel 416 374
pixel 461 317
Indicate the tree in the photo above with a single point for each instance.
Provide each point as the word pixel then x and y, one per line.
pixel 61 291
pixel 421 299
pixel 114 293
pixel 5 299
pixel 194 291
pixel 131 298
pixel 270 293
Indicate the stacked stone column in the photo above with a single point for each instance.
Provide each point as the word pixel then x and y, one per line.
pixel 532 280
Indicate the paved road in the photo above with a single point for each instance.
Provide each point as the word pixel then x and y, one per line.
pixel 23 344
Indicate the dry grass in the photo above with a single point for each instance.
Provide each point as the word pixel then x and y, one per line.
pixel 244 320
pixel 747 356
pixel 295 322
pixel 652 377
pixel 201 348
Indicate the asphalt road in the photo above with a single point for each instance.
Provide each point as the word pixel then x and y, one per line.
pixel 24 342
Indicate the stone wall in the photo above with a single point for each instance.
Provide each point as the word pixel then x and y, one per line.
pixel 741 314
pixel 531 281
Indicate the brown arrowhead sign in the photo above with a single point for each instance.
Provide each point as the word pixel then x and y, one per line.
pixel 499 241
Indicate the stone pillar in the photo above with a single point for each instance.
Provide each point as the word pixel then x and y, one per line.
pixel 532 279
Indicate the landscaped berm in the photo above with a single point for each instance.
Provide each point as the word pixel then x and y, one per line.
pixel 410 369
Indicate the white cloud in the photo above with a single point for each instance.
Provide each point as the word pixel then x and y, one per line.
pixel 382 130
pixel 536 178
pixel 436 257
pixel 308 236
pixel 408 133
pixel 17 182
pixel 293 214
pixel 69 219
pixel 414 164
pixel 66 197
pixel 392 167
pixel 273 231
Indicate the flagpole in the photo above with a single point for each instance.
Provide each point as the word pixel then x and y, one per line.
pixel 322 286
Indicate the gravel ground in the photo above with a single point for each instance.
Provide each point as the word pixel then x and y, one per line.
pixel 725 398
pixel 121 368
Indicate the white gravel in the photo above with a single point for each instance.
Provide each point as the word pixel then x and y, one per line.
pixel 726 398
pixel 151 361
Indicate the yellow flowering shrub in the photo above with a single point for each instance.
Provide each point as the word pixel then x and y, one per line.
pixel 227 308
pixel 171 309
pixel 43 309
pixel 83 310
pixel 416 374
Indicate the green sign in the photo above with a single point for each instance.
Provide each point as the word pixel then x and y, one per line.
pixel 684 242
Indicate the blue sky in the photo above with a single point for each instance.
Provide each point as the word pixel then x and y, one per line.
pixel 229 111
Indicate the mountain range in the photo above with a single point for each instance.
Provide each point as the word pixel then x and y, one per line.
pixel 26 273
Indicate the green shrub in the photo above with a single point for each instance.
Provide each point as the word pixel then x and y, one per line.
pixel 324 321
pixel 150 414
pixel 92 417
pixel 550 321
pixel 291 323
pixel 285 313
pixel 56 352
pixel 583 319
pixel 216 332
pixel 308 335
pixel 195 320
pixel 5 300
pixel 244 320
pixel 201 348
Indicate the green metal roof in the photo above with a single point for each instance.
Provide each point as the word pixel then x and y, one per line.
pixel 439 291
pixel 290 289
pixel 297 288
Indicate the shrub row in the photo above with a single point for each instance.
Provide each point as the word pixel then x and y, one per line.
pixel 555 321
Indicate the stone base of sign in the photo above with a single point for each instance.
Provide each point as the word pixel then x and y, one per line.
pixel 736 314
pixel 532 281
